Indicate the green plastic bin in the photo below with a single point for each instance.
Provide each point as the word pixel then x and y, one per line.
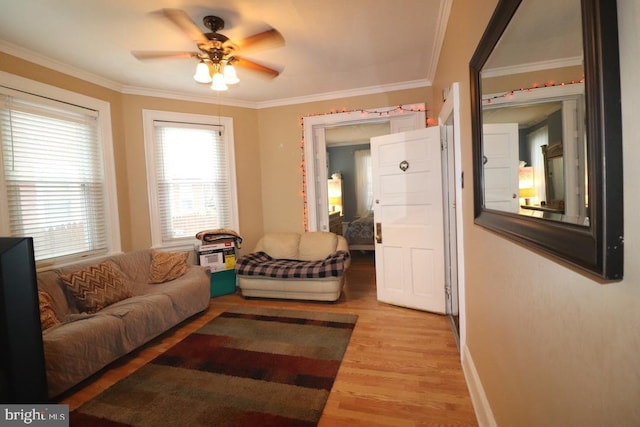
pixel 223 282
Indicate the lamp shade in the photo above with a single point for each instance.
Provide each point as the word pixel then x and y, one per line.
pixel 218 82
pixel 230 76
pixel 202 73
pixel 527 192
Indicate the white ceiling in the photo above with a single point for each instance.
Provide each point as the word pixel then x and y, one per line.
pixel 333 47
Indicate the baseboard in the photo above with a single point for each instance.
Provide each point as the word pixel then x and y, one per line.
pixel 478 397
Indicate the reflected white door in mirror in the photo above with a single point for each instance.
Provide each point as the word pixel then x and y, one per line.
pixel 541 130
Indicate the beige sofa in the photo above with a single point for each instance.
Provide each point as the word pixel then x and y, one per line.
pixel 303 266
pixel 77 344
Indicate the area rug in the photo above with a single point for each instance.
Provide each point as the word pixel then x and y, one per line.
pixel 249 366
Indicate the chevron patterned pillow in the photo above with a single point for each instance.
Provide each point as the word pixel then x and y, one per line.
pixel 96 286
pixel 167 266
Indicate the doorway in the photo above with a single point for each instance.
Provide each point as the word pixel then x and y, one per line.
pixel 350 182
pixel 400 118
pixel 449 119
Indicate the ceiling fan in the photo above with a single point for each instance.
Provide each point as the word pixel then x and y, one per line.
pixel 217 54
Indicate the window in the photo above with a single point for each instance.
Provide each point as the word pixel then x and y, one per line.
pixel 55 185
pixel 191 175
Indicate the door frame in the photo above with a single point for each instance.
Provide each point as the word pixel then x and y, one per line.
pixel 455 184
pixel 314 150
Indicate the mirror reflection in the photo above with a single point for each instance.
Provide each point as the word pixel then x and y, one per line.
pixel 533 115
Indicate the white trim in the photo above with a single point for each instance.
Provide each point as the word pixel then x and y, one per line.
pixel 438 40
pixel 479 399
pixel 55 65
pixel 104 116
pixel 45 61
pixel 327 96
pixel 148 117
pixel 450 107
pixel 213 98
pixel 541 94
pixel 532 66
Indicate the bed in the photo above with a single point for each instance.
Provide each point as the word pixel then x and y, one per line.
pixel 360 233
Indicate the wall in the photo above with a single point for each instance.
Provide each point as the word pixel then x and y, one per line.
pixel 550 345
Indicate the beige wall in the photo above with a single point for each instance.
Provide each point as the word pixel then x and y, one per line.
pixel 552 346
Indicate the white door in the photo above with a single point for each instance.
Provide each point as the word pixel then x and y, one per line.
pixel 408 216
pixel 500 158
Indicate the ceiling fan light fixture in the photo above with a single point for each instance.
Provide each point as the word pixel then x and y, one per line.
pixel 218 83
pixel 230 76
pixel 202 73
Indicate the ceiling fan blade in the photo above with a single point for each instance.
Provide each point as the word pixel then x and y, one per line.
pixel 253 66
pixel 143 54
pixel 182 20
pixel 265 40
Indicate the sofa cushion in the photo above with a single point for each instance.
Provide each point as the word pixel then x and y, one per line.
pixel 316 245
pixel 48 316
pixel 280 245
pixel 96 286
pixel 167 266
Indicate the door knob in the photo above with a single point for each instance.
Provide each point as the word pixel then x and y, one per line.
pixel 378 232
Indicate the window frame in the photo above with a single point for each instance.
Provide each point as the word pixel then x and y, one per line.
pixel 149 117
pixel 17 86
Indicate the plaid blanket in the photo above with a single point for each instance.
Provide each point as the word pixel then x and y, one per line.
pixel 261 264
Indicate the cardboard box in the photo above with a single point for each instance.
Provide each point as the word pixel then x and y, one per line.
pixel 219 256
pixel 223 282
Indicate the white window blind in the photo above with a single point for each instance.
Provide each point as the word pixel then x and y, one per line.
pixel 193 179
pixel 52 173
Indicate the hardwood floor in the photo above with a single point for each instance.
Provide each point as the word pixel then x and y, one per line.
pixel 402 366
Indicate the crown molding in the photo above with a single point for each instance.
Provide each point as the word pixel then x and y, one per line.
pixel 45 61
pixel 327 96
pixel 55 65
pixel 180 96
pixel 532 66
pixel 438 41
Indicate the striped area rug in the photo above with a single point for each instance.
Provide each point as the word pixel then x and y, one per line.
pixel 250 366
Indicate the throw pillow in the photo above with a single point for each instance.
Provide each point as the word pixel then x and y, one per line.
pixel 167 266
pixel 96 286
pixel 48 317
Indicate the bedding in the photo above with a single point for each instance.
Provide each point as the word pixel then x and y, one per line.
pixel 360 233
pixel 261 264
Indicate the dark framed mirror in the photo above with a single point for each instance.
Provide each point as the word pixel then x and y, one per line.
pixel 547 130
